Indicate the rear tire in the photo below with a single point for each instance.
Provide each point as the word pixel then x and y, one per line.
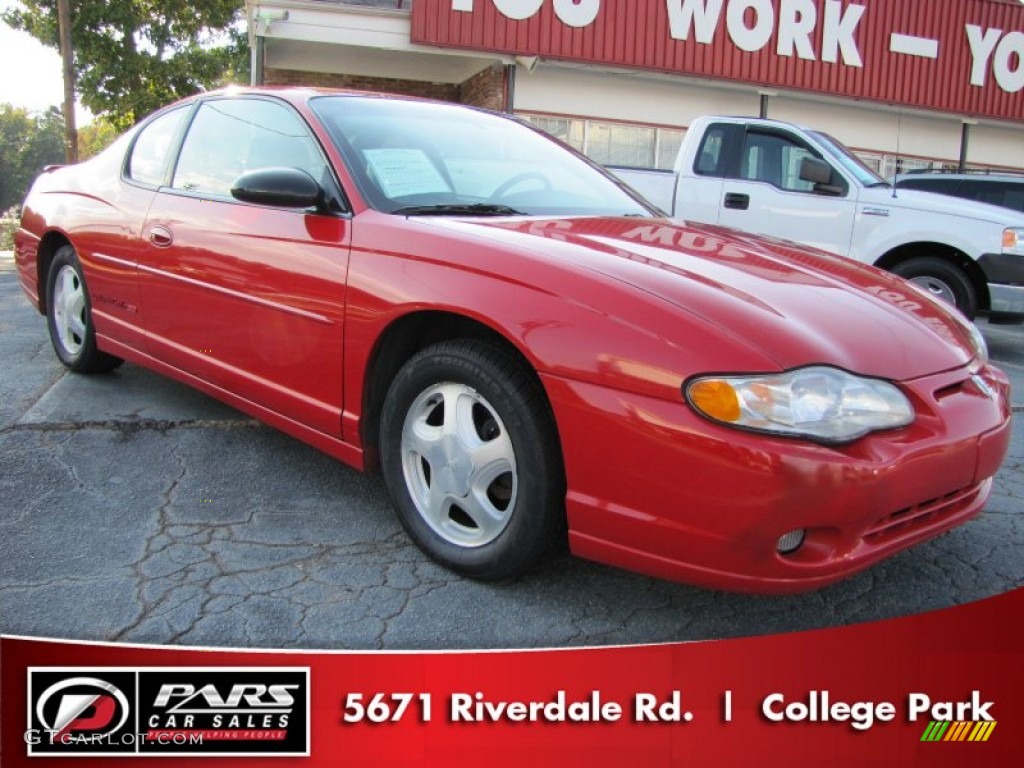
pixel 69 316
pixel 942 280
pixel 472 461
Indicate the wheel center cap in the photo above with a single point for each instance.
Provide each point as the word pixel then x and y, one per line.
pixel 457 470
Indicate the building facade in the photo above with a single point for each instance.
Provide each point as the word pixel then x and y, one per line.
pixel 905 83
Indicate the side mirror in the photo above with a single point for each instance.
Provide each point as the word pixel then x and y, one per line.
pixel 819 173
pixel 815 171
pixel 278 187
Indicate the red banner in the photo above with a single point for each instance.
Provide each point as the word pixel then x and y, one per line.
pixel 939 689
pixel 967 58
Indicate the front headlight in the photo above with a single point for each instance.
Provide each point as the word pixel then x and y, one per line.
pixel 1013 241
pixel 819 403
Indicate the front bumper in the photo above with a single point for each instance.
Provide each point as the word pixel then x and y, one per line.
pixel 1006 299
pixel 654 488
pixel 1005 276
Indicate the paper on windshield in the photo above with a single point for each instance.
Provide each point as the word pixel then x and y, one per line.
pixel 402 172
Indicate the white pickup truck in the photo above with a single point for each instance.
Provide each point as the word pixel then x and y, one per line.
pixel 774 178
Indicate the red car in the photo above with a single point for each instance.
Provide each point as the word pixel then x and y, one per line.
pixel 524 349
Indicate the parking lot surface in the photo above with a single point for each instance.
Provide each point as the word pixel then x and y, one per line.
pixel 134 509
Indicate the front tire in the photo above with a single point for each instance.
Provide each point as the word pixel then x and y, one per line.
pixel 69 316
pixel 940 279
pixel 471 460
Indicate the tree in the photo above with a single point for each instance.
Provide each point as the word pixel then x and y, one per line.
pixel 67 55
pixel 27 144
pixel 95 137
pixel 133 56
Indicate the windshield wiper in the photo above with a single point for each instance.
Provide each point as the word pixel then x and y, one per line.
pixel 453 209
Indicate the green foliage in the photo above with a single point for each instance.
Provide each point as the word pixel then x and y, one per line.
pixel 134 56
pixel 27 144
pixel 8 224
pixel 95 137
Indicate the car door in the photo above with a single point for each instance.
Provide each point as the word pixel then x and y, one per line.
pixel 766 195
pixel 249 298
pixel 119 196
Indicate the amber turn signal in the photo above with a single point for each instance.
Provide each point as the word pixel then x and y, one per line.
pixel 715 398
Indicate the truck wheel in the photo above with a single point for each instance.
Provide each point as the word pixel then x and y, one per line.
pixel 942 280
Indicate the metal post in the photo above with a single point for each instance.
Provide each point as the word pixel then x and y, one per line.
pixel 765 95
pixel 510 88
pixel 256 76
pixel 965 140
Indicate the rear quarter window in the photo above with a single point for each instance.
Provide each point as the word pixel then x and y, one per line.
pixel 709 156
pixel 152 149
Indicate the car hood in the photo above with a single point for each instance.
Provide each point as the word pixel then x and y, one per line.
pixel 793 305
pixel 933 202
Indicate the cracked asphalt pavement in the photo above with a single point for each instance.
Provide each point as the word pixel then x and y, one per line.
pixel 134 509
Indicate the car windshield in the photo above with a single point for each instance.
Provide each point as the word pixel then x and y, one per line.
pixel 422 158
pixel 849 161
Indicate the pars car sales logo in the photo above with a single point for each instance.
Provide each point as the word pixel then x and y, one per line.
pixel 115 711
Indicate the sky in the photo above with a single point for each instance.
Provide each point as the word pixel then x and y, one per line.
pixel 32 72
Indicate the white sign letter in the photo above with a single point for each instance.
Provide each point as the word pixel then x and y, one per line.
pixel 518 9
pixel 840 33
pixel 982 46
pixel 462 5
pixel 700 15
pixel 577 13
pixel 750 38
pixel 1010 52
pixel 796 23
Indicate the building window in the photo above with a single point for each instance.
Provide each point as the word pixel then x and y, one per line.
pixel 623 144
pixel 888 166
pixel 669 142
pixel 617 144
pixel 564 129
pixel 635 145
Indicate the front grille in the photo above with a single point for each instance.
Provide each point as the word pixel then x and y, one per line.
pixel 906 520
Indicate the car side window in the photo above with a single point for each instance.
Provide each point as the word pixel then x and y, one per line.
pixel 1013 196
pixel 151 150
pixel 231 136
pixel 935 184
pixel 999 193
pixel 775 158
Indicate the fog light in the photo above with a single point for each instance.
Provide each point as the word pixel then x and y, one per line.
pixel 791 541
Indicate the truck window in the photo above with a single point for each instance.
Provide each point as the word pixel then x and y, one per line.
pixel 709 157
pixel 775 159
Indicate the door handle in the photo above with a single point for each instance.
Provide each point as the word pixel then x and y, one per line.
pixel 161 237
pixel 737 201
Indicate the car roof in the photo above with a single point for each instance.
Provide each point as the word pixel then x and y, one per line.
pixel 302 93
pixel 979 175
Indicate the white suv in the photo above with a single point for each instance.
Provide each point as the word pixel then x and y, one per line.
pixel 1002 188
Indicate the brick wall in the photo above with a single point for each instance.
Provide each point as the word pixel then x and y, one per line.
pixel 484 89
